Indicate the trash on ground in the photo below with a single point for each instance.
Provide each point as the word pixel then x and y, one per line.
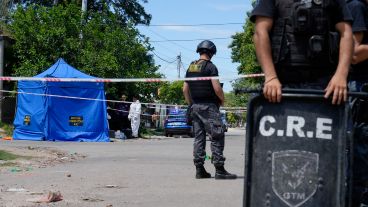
pixel 35 193
pixel 50 197
pixel 111 186
pixel 92 199
pixel 7 138
pixel 16 190
pixel 15 169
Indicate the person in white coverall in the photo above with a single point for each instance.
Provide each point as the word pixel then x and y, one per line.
pixel 135 116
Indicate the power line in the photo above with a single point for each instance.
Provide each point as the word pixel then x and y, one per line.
pixel 173 42
pixel 167 40
pixel 192 25
pixel 191 40
pixel 162 58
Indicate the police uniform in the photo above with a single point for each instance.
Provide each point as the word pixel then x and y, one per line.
pixel 359 77
pixel 304 41
pixel 205 113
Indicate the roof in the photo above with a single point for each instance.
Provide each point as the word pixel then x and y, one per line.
pixel 61 69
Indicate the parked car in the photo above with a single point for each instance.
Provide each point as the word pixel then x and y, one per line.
pixel 176 123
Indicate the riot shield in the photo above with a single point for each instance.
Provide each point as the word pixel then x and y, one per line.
pixel 296 152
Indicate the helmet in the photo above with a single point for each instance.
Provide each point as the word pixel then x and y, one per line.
pixel 207 45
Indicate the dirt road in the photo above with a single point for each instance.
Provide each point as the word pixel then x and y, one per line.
pixel 140 172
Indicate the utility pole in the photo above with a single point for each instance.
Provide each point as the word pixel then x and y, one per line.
pixel 179 64
pixel 2 46
pixel 84 11
pixel 84 6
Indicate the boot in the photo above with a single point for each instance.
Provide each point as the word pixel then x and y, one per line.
pixel 221 173
pixel 201 172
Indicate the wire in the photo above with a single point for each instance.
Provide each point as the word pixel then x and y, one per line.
pixel 162 58
pixel 167 40
pixel 173 42
pixel 191 25
pixel 191 40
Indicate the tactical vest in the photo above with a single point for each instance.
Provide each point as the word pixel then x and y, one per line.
pixel 201 91
pixel 301 34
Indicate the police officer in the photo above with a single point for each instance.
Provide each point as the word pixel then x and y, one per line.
pixel 205 98
pixel 359 80
pixel 302 44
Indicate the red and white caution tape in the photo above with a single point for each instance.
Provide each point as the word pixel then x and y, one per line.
pixel 112 101
pixel 127 80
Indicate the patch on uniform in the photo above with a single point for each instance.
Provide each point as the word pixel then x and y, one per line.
pixel 194 68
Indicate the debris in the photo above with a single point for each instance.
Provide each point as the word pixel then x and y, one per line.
pixel 92 199
pixel 16 190
pixel 50 197
pixel 69 175
pixel 111 186
pixel 7 138
pixel 109 205
pixel 35 193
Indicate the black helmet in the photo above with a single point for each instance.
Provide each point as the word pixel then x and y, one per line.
pixel 206 46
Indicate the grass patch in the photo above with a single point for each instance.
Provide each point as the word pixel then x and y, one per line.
pixel 146 132
pixel 4 155
pixel 8 164
pixel 8 128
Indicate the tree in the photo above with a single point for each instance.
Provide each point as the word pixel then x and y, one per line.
pixel 235 117
pixel 126 10
pixel 172 93
pixel 101 46
pixel 243 52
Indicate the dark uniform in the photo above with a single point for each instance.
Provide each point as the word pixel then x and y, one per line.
pixel 304 41
pixel 205 113
pixel 358 78
pixel 123 113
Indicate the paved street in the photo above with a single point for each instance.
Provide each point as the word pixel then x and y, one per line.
pixel 132 173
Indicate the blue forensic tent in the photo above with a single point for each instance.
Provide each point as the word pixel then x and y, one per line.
pixel 52 118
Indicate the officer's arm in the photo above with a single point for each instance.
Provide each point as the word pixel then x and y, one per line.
pixel 360 50
pixel 218 90
pixel 338 84
pixel 272 86
pixel 186 93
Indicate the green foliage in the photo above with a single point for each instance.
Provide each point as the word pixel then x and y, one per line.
pixel 42 35
pixel 126 10
pixel 99 46
pixel 4 155
pixel 172 93
pixel 243 52
pixel 231 119
pixel 233 100
pixel 8 128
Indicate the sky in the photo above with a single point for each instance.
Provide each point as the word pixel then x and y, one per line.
pixel 179 14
